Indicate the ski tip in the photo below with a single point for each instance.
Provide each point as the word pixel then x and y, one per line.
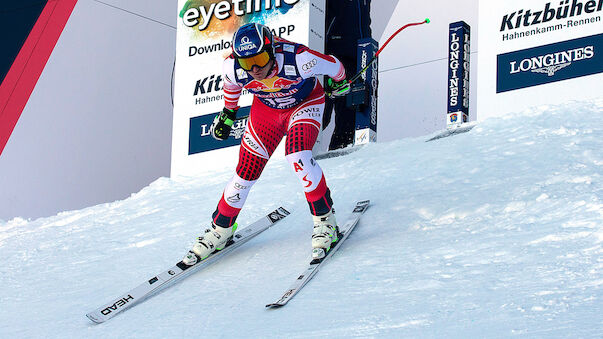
pixel 361 206
pixel 273 305
pixel 94 319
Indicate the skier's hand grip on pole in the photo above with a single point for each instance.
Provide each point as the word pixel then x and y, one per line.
pixel 337 88
pixel 220 128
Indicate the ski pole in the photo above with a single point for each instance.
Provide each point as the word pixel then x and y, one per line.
pixel 355 77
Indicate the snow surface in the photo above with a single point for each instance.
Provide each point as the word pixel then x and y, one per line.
pixel 493 233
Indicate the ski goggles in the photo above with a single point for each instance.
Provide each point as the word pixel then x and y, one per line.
pixel 259 60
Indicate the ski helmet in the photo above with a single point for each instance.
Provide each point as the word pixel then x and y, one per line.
pixel 253 45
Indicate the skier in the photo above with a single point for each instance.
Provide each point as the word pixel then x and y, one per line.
pixel 288 100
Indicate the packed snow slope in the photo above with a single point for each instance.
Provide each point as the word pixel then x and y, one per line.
pixel 493 233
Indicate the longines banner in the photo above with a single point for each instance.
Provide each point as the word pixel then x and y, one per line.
pixel 550 63
pixel 204 34
pixel 538 52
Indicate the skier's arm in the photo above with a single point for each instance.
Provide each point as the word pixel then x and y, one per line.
pixel 232 90
pixel 222 124
pixel 311 63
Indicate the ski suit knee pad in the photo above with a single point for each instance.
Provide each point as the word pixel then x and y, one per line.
pixel 313 181
pixel 307 170
pixel 232 201
pixel 236 191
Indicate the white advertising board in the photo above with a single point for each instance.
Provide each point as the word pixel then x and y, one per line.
pixel 538 52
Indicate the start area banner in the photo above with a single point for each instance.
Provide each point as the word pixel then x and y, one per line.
pixel 538 52
pixel 204 40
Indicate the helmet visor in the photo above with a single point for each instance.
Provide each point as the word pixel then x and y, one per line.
pixel 259 60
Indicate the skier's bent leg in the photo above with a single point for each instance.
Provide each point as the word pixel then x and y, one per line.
pixel 261 137
pixel 325 230
pixel 301 136
pixel 304 126
pixel 223 226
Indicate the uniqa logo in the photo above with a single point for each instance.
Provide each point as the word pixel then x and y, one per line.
pixel 246 44
pixel 551 63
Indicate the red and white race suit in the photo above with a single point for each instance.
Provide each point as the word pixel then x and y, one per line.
pixel 289 102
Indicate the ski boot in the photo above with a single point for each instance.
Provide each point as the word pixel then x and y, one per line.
pixel 325 234
pixel 213 239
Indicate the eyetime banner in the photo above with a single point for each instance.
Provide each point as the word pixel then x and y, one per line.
pixel 538 52
pixel 554 62
pixel 204 35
